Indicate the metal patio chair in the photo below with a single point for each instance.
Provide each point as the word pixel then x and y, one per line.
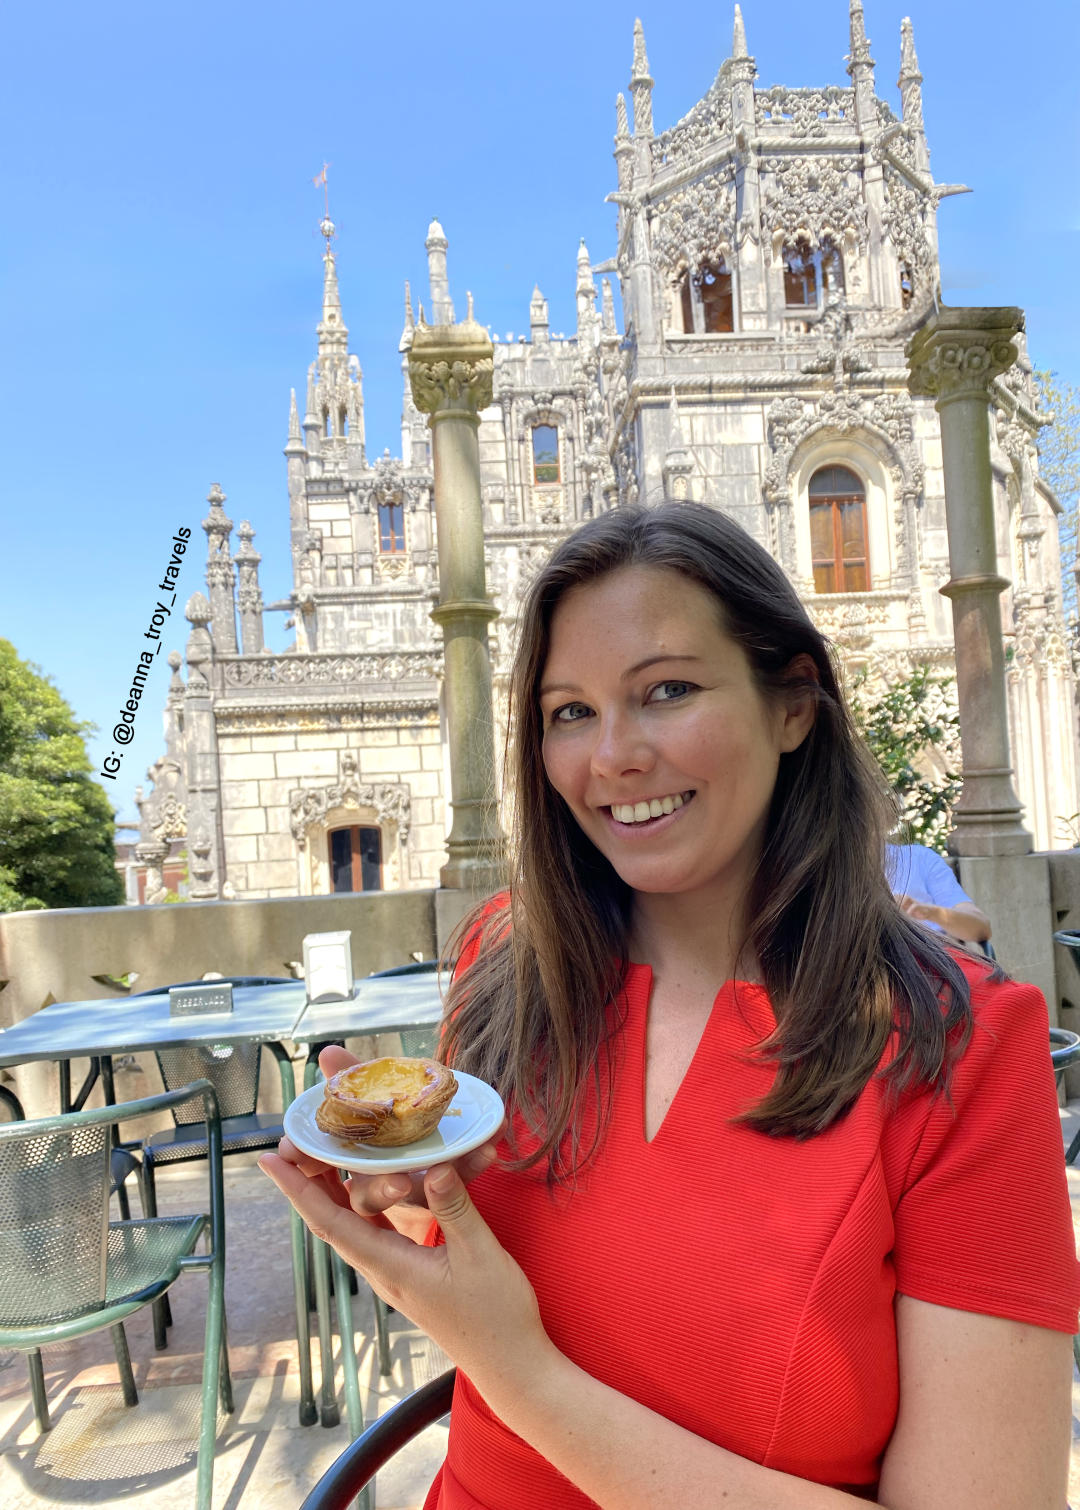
pixel 66 1270
pixel 354 1470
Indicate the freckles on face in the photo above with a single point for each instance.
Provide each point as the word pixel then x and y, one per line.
pixel 655 732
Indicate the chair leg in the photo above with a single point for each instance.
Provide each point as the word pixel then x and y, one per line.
pixel 301 1267
pixel 329 1414
pixel 212 1372
pixel 37 1390
pixel 1074 1149
pixel 228 1404
pixel 123 1202
pixel 161 1309
pixel 382 1335
pixel 123 1361
pixel 353 1409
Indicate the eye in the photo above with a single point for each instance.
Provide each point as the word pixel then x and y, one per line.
pixel 570 713
pixel 666 692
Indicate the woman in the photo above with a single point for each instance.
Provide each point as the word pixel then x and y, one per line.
pixel 780 1218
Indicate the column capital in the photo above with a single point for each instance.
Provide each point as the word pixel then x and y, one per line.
pixel 959 352
pixel 451 368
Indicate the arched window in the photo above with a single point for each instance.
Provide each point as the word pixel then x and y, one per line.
pixel 800 276
pixel 391 528
pixel 545 447
pixel 807 271
pixel 838 531
pixel 713 286
pixel 356 859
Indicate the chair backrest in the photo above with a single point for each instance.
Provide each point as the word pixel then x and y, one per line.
pixel 231 1068
pixel 54 1221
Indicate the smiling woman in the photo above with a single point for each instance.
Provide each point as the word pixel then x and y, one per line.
pixel 724 1052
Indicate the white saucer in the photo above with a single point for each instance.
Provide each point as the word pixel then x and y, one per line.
pixel 474 1115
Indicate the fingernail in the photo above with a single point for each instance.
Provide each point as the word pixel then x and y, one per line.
pixel 394 1190
pixel 442 1180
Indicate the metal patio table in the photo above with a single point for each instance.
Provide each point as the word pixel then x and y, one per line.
pixel 98 1029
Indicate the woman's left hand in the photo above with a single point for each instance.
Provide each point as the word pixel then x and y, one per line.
pixel 468 1294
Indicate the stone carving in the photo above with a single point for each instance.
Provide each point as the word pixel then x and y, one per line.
pixel 433 383
pixel 815 197
pixel 699 129
pixel 391 801
pixel 320 670
pixel 961 364
pixel 806 112
pixel 695 225
pixel 889 416
pixel 903 219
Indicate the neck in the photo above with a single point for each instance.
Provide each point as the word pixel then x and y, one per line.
pixel 701 933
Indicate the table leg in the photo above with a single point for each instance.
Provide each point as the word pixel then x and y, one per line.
pixel 353 1408
pixel 329 1414
pixel 308 1413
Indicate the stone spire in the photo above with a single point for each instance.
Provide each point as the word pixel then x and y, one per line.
pixel 333 333
pixel 442 309
pixel 220 577
pixel 249 596
pixel 585 290
pixel 538 316
pixel 910 82
pixel 641 86
pixel 738 45
pixel 624 144
pixel 860 66
pixel 410 323
pixel 678 463
pixel 607 308
pixel 295 442
pixel 312 428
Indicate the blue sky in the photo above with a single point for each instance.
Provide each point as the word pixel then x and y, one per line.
pixel 160 273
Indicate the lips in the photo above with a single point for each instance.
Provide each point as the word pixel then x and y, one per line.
pixel 629 813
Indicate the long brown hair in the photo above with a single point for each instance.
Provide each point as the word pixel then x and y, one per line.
pixel 844 967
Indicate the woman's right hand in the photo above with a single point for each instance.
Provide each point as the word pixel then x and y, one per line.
pixel 371 1196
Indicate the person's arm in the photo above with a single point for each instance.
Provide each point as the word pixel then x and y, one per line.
pixel 963 919
pixel 984 1420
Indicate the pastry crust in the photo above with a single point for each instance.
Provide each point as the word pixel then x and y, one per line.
pixel 386 1102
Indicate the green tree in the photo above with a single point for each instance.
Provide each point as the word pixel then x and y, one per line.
pixel 913 729
pixel 1059 465
pixel 56 824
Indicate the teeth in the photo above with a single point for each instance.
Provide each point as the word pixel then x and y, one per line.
pixel 641 812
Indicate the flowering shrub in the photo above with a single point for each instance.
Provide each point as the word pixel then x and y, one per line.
pixel 913 729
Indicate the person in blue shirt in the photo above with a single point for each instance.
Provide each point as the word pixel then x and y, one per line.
pixel 926 888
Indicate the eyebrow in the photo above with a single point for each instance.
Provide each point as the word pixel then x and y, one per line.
pixel 632 671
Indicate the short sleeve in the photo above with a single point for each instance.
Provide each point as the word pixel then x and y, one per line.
pixel 983 1221
pixel 945 890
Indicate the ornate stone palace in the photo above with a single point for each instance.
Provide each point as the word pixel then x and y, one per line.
pixel 776 249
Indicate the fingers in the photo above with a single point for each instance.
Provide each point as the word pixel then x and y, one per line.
pixel 313 1168
pixel 367 1244
pixel 334 1058
pixel 371 1195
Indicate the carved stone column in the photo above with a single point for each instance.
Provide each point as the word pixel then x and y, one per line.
pixel 953 359
pixel 451 370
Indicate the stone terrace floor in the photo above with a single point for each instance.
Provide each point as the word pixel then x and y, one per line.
pixel 101 1453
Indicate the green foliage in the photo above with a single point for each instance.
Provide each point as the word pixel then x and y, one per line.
pixel 56 824
pixel 1059 465
pixel 913 730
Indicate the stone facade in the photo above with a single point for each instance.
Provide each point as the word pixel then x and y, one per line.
pixel 776 250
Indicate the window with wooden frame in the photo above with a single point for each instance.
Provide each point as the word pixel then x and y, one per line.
pixel 355 859
pixel 907 285
pixel 391 528
pixel 713 285
pixel 545 449
pixel 838 531
pixel 800 276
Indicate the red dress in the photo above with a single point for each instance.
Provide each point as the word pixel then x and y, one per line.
pixel 742 1285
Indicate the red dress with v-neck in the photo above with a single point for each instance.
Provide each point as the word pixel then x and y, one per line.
pixel 743 1285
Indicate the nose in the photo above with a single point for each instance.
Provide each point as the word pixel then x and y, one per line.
pixel 620 747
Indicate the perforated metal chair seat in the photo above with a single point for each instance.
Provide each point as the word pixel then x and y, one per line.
pixel 143 1261
pixel 173 1146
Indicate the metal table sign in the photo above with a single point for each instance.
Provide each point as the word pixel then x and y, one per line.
pixel 209 996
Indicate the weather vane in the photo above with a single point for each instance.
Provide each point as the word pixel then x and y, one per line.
pixel 327 227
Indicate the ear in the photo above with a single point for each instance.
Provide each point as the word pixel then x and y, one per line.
pixel 798 702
